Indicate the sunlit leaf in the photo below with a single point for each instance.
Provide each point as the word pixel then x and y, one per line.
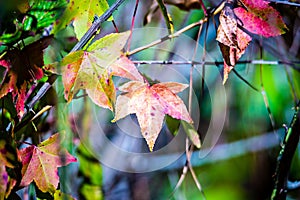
pixel 40 163
pixel 93 70
pixel 82 13
pixel 151 104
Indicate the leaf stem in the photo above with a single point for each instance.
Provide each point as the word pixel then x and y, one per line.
pixel 132 24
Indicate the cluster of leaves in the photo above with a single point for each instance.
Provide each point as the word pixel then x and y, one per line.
pixel 237 19
pixel 92 69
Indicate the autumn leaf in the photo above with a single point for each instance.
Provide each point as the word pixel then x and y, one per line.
pixel 260 18
pixel 93 70
pixel 22 67
pixel 151 104
pixel 40 163
pixel 82 13
pixel 257 17
pixel 232 40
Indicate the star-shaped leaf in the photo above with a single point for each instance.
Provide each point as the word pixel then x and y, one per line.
pixel 40 163
pixel 93 69
pixel 151 104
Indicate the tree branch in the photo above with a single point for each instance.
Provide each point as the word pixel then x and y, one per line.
pixel 188 62
pixel 285 157
pixel 285 3
pixel 96 25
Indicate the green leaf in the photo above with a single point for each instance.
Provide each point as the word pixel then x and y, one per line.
pixel 91 192
pixel 172 124
pixel 191 133
pixel 83 13
pixel 45 12
pixel 166 15
pixel 58 195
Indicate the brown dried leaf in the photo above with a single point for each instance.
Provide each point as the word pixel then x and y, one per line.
pixel 232 40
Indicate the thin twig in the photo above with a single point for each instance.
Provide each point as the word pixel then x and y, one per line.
pixel 243 79
pixel 263 92
pixel 285 3
pixel 175 62
pixel 132 24
pixel 167 37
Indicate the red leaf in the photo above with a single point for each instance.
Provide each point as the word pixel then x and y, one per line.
pixel 22 67
pixel 260 18
pixel 40 164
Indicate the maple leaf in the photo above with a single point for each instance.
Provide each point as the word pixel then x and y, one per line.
pixel 93 69
pixel 232 40
pixel 257 17
pixel 22 67
pixel 260 18
pixel 40 163
pixel 83 13
pixel 151 104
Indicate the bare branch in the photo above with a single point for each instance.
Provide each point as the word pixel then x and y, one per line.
pixel 285 157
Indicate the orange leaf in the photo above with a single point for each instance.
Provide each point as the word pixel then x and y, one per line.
pixel 93 69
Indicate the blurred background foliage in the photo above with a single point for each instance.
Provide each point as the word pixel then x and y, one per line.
pixel 240 166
